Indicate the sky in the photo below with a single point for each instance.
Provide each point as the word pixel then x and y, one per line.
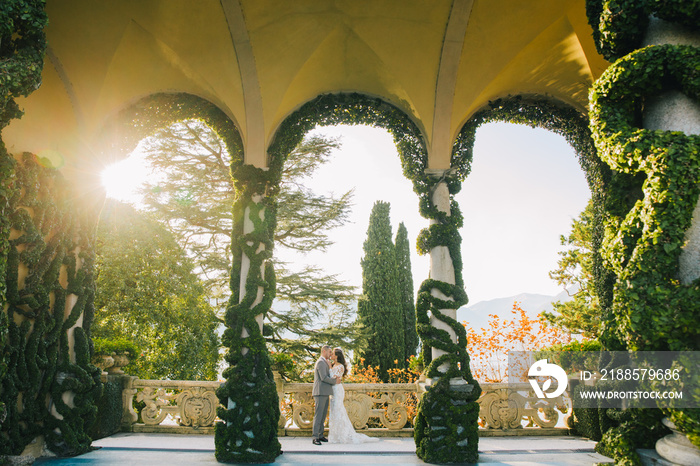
pixel 524 190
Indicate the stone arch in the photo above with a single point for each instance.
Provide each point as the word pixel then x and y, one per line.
pixel 150 113
pixel 535 111
pixel 571 123
pixel 352 109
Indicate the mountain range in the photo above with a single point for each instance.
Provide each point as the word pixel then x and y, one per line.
pixel 477 315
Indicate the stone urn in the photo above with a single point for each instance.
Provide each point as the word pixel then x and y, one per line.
pixel 676 447
pixel 103 361
pixel 120 360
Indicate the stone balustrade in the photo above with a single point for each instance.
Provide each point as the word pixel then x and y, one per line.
pixel 170 406
pixel 375 408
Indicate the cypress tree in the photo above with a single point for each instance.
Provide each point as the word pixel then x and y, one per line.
pixel 379 307
pixel 405 282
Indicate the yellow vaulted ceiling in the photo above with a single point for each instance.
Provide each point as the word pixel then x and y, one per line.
pixel 259 60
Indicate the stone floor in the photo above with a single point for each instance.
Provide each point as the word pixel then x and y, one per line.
pixel 175 450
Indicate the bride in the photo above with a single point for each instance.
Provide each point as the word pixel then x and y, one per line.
pixel 340 428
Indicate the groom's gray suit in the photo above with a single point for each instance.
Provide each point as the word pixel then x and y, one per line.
pixel 323 388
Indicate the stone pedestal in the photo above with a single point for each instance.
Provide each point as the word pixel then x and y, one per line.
pixel 676 447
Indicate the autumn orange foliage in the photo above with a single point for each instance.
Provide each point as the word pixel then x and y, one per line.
pixel 368 374
pixel 488 347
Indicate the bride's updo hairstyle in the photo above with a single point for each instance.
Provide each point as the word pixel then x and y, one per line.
pixel 341 359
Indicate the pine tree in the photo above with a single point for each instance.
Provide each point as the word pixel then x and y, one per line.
pixel 379 307
pixel 193 197
pixel 405 282
pixel 582 314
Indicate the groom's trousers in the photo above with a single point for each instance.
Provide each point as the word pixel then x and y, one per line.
pixel 320 415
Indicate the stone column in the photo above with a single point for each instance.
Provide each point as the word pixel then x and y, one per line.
pixel 674 111
pixel 442 269
pixel 248 433
pixel 248 228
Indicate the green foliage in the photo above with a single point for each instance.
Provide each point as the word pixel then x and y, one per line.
pixel 250 408
pixel 582 314
pixel 250 412
pixel 194 196
pixel 109 410
pixel 38 358
pixel 405 282
pixel 148 293
pixel 619 25
pixel 379 309
pixel 654 311
pixel 560 119
pixel 627 431
pixel 56 248
pixel 4 352
pixel 688 421
pixel 103 346
pixel 22 47
pixel 652 192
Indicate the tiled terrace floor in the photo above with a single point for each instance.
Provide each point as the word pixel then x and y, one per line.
pixel 175 450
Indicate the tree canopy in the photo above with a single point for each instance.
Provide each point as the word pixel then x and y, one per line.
pixel 379 307
pixel 574 272
pixel 194 195
pixel 405 283
pixel 148 293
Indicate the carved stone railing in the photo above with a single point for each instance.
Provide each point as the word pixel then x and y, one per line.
pixel 380 409
pixel 170 405
pixel 515 408
pixel 384 406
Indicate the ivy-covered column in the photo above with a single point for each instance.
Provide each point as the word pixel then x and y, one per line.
pixel 442 270
pixel 446 429
pixel 673 110
pixel 250 411
pixel 644 120
pixel 50 387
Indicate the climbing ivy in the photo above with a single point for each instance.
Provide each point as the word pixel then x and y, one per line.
pixel 249 404
pixel 250 412
pixel 619 25
pixel 535 112
pixel 55 247
pixel 455 411
pixel 654 311
pixel 646 220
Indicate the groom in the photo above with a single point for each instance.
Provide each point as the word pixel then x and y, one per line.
pixel 323 388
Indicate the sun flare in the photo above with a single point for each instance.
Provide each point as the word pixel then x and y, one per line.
pixel 122 179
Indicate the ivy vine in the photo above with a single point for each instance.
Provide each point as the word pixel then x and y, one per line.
pixel 532 111
pixel 249 404
pixel 50 241
pixel 441 407
pixel 619 26
pixel 658 173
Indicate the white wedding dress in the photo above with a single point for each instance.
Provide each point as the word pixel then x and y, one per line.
pixel 340 429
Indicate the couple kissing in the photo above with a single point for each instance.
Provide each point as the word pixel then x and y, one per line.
pixel 328 390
